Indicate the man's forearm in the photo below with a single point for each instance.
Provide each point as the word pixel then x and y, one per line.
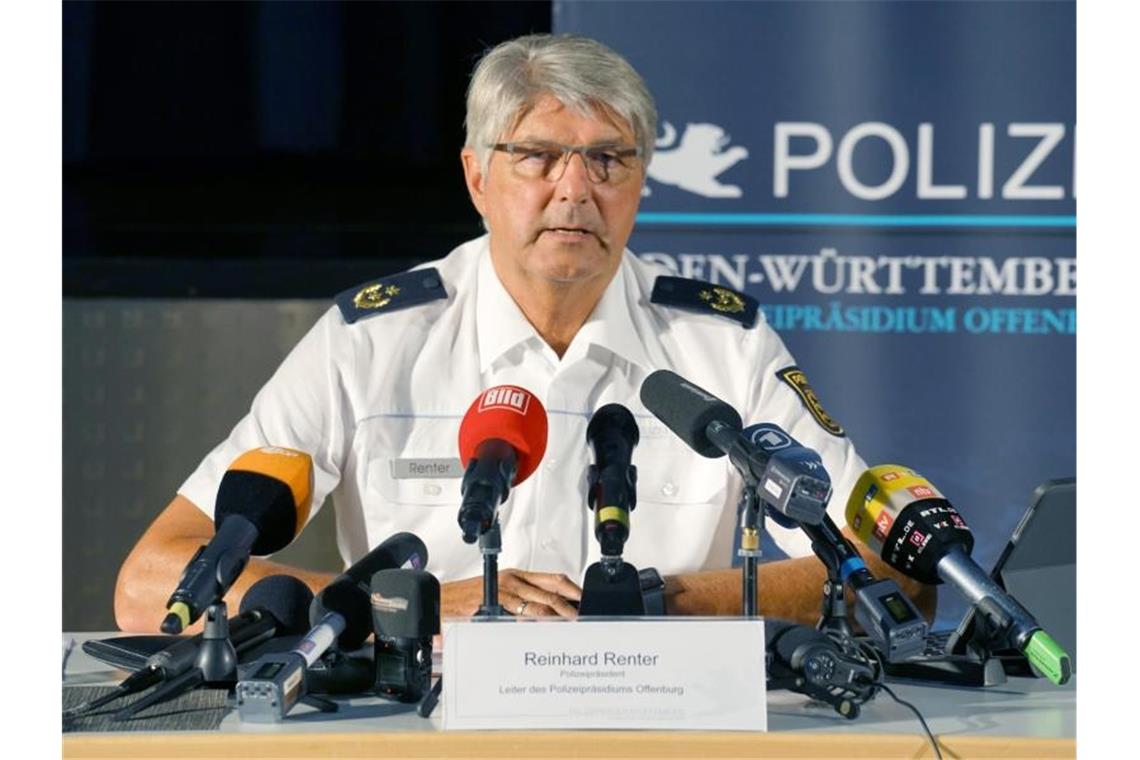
pixel 790 589
pixel 147 580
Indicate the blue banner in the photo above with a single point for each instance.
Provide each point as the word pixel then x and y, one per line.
pixel 895 183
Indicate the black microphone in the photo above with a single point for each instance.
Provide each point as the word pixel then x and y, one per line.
pixel 262 504
pixel 269 687
pixel 712 428
pixel 276 605
pixel 806 661
pixel 887 615
pixel 613 434
pixel 348 593
pixel 405 616
pixel 612 586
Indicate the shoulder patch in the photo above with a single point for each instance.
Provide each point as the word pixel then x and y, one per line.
pixel 389 294
pixel 703 297
pixel 798 382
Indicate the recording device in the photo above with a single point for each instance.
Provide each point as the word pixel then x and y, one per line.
pixel 915 529
pixel 405 616
pixel 807 661
pixel 274 606
pixel 501 441
pixel 270 686
pixel 348 593
pixel 888 616
pixel 262 504
pixel 712 428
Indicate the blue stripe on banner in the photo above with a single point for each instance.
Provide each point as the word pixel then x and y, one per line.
pixel 857 220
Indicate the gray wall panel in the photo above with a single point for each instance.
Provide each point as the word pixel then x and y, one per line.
pixel 150 386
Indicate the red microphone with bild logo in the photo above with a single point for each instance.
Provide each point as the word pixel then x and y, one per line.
pixel 501 441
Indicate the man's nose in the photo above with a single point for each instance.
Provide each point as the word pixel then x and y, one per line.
pixel 574 184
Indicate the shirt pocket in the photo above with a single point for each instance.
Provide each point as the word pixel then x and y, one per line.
pixel 418 440
pixel 427 506
pixel 681 521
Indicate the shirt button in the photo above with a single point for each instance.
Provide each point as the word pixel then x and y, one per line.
pixel 546 543
pixel 669 489
pixel 432 489
pixel 551 464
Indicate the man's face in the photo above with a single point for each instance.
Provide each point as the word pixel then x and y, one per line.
pixel 568 231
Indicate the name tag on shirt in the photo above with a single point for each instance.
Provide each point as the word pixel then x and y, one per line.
pixel 403 469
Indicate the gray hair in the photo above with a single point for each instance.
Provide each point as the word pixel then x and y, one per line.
pixel 581 73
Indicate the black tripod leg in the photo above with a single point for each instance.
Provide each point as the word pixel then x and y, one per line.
pixel 163 692
pixel 430 699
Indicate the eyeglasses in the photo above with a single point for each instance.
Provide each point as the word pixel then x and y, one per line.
pixel 542 160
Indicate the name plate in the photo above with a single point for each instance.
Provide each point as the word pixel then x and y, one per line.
pixel 681 673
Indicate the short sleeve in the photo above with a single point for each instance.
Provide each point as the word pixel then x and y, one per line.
pixel 778 396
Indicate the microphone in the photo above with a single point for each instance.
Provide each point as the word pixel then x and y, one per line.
pixel 915 529
pixel 612 586
pixel 276 605
pixel 712 428
pixel 405 616
pixel 263 503
pixel 339 614
pixel 613 434
pixel 268 687
pixel 502 439
pixel 887 615
pixel 348 594
pixel 806 661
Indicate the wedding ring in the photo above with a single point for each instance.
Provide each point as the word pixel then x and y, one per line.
pixel 521 608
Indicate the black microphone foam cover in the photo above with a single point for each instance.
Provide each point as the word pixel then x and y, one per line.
pixel 284 597
pixel 350 601
pixel 405 604
pixel 397 550
pixel 687 409
pixel 265 501
pixel 613 417
pixel 792 642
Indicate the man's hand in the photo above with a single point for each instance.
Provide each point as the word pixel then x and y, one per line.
pixel 521 593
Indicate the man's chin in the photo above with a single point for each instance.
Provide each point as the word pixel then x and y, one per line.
pixel 569 265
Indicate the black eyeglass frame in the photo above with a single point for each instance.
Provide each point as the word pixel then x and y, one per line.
pixel 567 151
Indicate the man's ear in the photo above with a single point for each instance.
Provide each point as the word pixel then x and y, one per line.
pixel 474 176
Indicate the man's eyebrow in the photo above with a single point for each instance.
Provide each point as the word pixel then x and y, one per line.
pixel 606 142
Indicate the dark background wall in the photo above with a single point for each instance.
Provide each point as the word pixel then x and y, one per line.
pixel 208 144
pixel 227 168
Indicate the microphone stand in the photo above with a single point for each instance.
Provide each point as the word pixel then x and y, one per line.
pixel 751 526
pixel 491 544
pixel 833 609
pixel 216 661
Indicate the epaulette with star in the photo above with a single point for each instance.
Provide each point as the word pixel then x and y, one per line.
pixel 388 294
pixel 705 298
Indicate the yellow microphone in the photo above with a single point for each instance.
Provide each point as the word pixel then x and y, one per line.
pixel 263 502
pixel 905 519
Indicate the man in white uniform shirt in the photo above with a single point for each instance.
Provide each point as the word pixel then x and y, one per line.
pixel 559 132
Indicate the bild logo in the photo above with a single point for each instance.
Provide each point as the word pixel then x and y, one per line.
pixel 695 160
pixel 505 397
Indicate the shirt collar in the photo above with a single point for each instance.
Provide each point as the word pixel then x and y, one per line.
pixel 611 325
pixel 501 325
